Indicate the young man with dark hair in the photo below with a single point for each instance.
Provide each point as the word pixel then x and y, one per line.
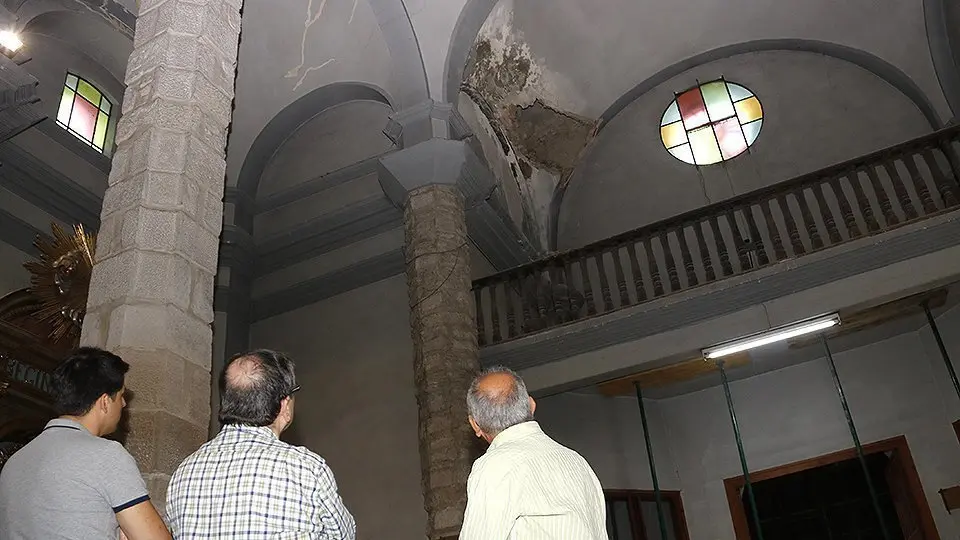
pixel 69 482
pixel 248 484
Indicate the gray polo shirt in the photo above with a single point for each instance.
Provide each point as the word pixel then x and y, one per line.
pixel 67 484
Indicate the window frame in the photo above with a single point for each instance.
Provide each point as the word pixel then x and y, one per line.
pixel 105 107
pixel 711 123
pixel 634 497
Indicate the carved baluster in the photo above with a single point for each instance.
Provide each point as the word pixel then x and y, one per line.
pixel 758 246
pixel 726 269
pixel 849 219
pixel 587 287
pixel 637 275
pixel 779 253
pixel 792 231
pixel 866 209
pixel 566 305
pixel 687 258
pixel 671 261
pixel 654 267
pixel 481 331
pixel 494 314
pixel 704 252
pixel 525 300
pixel 621 278
pixel 886 207
pixel 509 289
pixel 903 197
pixel 739 243
pixel 833 233
pixel 604 284
pixel 809 224
pixel 944 186
pixel 926 201
pixel 544 304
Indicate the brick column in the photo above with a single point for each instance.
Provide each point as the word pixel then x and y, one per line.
pixel 425 182
pixel 151 294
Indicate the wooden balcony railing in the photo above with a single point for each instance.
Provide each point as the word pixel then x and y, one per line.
pixel 864 196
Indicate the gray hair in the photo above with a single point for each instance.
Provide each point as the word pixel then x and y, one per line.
pixel 496 411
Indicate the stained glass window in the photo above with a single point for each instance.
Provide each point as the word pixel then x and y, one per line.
pixel 711 122
pixel 84 111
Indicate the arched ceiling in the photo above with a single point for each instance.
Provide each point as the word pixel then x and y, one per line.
pixel 289 49
pixel 584 55
pixel 87 34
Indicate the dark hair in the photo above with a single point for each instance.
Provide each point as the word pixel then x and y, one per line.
pixel 84 376
pixel 255 399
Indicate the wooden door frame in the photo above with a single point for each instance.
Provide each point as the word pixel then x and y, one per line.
pixel 675 498
pixel 897 444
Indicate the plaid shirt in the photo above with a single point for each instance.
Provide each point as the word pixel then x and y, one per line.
pixel 246 484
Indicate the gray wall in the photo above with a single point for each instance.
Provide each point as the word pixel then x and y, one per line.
pixel 898 386
pixel 818 110
pixel 13 275
pixel 357 408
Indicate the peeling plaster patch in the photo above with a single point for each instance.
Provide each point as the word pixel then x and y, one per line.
pixel 549 137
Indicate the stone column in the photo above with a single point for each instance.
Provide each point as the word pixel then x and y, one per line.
pixel 151 294
pixel 423 180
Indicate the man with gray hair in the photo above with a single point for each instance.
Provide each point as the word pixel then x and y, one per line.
pixel 527 486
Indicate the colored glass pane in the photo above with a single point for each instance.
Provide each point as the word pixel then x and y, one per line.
pixel 704 145
pixel 72 81
pixel 692 109
pixel 671 115
pixel 749 110
pixel 673 134
pixel 83 119
pixel 730 137
pixel 105 105
pixel 89 92
pixel 101 132
pixel 752 130
pixel 683 153
pixel 718 100
pixel 66 103
pixel 738 92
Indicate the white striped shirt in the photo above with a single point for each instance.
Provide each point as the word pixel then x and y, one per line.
pixel 529 487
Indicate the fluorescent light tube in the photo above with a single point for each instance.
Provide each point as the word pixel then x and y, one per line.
pixel 771 336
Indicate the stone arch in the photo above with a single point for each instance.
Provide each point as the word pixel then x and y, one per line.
pixel 408 68
pixel 873 64
pixel 286 122
pixel 471 19
pixel 944 49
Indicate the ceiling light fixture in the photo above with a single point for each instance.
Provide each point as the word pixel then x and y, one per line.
pixel 774 335
pixel 10 41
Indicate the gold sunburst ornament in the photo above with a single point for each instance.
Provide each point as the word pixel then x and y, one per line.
pixel 60 279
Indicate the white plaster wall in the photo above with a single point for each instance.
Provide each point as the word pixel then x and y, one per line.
pixel 608 433
pixel 357 408
pixel 818 111
pixel 894 388
pixel 292 47
pixel 13 275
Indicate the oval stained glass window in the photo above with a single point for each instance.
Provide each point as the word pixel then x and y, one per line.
pixel 711 122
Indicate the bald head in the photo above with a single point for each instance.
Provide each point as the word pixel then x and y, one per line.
pixel 498 399
pixel 244 372
pixel 253 386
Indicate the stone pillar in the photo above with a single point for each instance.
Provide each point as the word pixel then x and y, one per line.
pixel 423 180
pixel 151 293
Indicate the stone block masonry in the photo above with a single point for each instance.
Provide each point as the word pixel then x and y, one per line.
pixel 151 294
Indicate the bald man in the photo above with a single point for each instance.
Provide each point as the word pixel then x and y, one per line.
pixel 527 486
pixel 247 484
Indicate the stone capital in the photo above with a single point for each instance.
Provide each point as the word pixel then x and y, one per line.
pixel 424 121
pixel 435 161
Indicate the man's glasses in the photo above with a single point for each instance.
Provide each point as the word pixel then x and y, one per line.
pixel 294 390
